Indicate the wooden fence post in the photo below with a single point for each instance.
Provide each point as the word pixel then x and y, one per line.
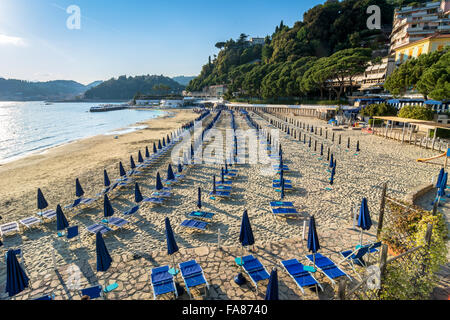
pixel 382 264
pixel 435 205
pixel 341 289
pixel 428 234
pixel 382 207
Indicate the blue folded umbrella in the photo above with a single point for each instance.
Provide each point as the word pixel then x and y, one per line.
pixel 106 180
pixel 78 189
pixel 246 234
pixel 16 278
pixel 61 221
pixel 172 246
pixel 122 171
pixel 272 287
pixel 137 194
pixel 103 258
pixel 108 210
pixel 41 202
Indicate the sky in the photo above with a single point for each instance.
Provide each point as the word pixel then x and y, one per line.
pixel 132 37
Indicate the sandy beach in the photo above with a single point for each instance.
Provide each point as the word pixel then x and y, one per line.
pixel 55 170
pixel 357 176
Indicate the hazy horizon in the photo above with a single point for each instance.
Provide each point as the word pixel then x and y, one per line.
pixel 127 37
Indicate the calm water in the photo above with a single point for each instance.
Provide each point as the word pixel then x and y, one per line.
pixel 29 127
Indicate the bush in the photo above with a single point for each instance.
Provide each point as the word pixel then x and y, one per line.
pixel 416 112
pixel 413 276
pixel 441 133
pixel 376 121
pixel 381 109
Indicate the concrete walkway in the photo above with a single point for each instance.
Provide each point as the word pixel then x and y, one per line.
pixel 133 275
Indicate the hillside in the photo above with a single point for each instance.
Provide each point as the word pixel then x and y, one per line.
pixel 93 84
pixel 277 68
pixel 11 89
pixel 127 87
pixel 183 80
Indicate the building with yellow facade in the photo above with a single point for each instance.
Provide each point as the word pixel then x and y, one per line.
pixel 415 49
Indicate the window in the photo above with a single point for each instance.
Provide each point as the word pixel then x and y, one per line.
pixel 419 52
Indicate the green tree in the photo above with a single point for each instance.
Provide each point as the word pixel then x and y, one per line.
pixel 416 112
pixel 345 64
pixel 381 109
pixel 408 75
pixel 435 82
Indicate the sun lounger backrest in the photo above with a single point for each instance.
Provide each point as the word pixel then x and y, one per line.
pixel 93 292
pixel 361 252
pixel 252 264
pixel 375 245
pixel 72 232
pixel 294 267
pixel 161 275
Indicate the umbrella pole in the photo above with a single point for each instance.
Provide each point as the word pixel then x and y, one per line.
pixel 174 266
pixel 314 260
pixel 360 237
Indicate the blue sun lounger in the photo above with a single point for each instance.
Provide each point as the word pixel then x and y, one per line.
pixel 223 188
pixel 131 211
pixel 97 227
pixel 254 269
pixel 8 228
pixel 80 202
pixel 225 182
pixel 171 182
pixel 286 186
pixel 277 167
pixel 47 297
pixel 303 279
pixel 193 276
pixel 278 181
pixel 179 177
pixel 163 282
pixel 281 204
pixel 107 190
pixel 92 292
pixel 47 215
pixel 285 212
pixel 97 292
pixel 153 200
pixel 230 175
pixel 117 222
pixel 208 216
pixel 195 225
pixel 220 194
pixel 328 267
pixel 163 194
pixel 355 257
pixel 29 222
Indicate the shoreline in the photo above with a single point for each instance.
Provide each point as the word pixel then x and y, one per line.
pixel 55 169
pixel 115 131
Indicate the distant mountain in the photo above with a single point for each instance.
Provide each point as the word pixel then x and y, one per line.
pixel 127 87
pixel 93 84
pixel 12 89
pixel 183 80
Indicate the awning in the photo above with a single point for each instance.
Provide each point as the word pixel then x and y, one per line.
pixel 393 101
pixel 433 102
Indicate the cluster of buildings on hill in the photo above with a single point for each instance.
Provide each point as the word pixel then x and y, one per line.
pixel 416 30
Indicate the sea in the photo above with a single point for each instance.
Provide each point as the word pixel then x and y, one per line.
pixel 34 127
